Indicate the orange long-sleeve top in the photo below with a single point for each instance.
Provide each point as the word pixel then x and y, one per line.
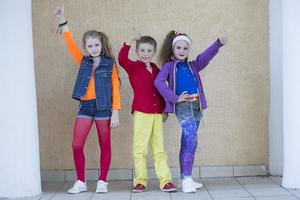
pixel 90 92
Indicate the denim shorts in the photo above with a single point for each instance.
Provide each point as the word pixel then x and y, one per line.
pixel 88 109
pixel 187 109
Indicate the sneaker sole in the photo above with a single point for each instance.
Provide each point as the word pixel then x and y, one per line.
pixel 191 191
pixel 169 190
pixel 197 188
pixel 76 192
pixel 101 192
pixel 138 191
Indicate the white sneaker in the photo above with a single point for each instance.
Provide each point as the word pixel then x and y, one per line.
pixel 101 187
pixel 196 185
pixel 188 185
pixel 78 187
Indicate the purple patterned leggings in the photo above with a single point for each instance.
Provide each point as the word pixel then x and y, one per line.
pixel 189 116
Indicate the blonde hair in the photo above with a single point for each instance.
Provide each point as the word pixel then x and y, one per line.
pixel 106 47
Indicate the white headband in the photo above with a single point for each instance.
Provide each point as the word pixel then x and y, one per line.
pixel 181 37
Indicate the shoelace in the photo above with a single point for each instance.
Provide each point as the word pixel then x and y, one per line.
pixel 101 186
pixel 77 185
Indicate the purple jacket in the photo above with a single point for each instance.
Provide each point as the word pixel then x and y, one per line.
pixel 168 74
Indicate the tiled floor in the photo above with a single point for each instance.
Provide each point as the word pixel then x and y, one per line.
pixel 240 188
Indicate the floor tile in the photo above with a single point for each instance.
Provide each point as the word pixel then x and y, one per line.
pixel 220 188
pixel 262 186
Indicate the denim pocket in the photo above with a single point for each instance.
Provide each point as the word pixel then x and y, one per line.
pixel 183 110
pixel 196 110
pixel 196 105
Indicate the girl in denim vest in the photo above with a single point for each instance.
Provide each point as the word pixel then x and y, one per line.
pixel 184 95
pixel 97 89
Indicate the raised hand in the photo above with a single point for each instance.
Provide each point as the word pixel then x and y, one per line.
pixel 223 40
pixel 134 36
pixel 60 14
pixel 62 22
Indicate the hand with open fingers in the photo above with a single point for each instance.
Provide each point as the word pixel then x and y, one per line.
pixel 183 97
pixel 135 35
pixel 60 14
pixel 114 121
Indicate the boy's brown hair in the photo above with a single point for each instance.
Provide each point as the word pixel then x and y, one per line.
pixel 146 39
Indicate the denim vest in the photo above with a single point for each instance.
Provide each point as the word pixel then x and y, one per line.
pixel 103 81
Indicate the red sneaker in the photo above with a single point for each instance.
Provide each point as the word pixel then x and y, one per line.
pixel 139 188
pixel 169 187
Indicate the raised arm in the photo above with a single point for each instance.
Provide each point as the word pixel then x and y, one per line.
pixel 124 61
pixel 72 47
pixel 205 57
pixel 68 37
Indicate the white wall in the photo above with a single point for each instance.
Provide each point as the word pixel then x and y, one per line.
pixel 276 120
pixel 291 92
pixel 19 150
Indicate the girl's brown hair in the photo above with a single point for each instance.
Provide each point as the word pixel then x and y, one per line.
pixel 106 47
pixel 166 52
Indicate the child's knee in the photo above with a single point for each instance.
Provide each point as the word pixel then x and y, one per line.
pixel 161 155
pixel 77 146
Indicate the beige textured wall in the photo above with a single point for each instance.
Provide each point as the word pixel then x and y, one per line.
pixel 236 82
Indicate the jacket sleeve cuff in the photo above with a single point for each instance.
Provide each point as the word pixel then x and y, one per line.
pixel 126 45
pixel 174 99
pixel 218 43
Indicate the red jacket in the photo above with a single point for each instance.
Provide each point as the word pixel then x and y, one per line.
pixel 146 97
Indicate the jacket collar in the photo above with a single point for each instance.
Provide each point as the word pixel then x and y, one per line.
pixel 178 60
pixel 103 62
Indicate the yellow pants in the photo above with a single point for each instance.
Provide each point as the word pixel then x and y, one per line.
pixel 148 129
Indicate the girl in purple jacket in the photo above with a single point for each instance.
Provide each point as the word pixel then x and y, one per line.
pixel 184 95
